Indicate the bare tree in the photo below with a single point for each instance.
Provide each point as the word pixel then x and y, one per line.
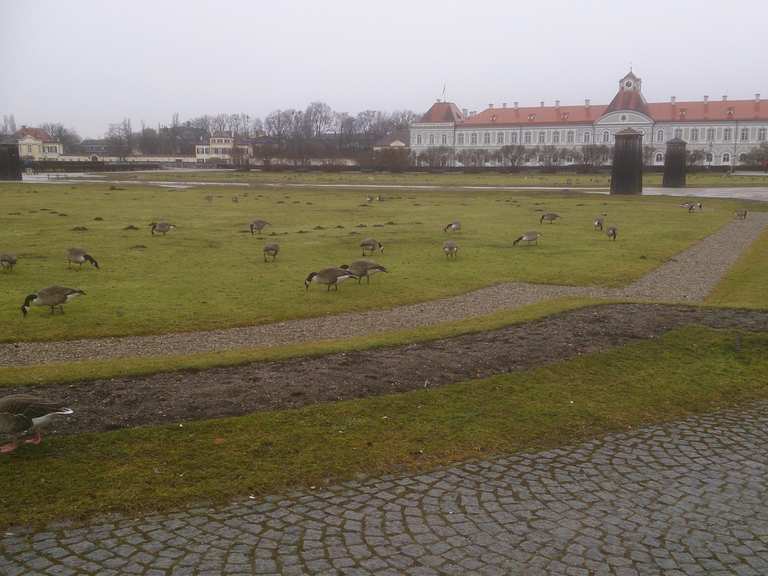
pixel 9 124
pixel 120 137
pixel 67 136
pixel 319 118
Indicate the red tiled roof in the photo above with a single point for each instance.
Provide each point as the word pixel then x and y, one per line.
pixel 443 112
pixel 659 112
pixel 36 133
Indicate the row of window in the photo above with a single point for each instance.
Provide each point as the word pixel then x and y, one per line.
pixel 708 158
pixel 215 151
pixel 221 140
pixel 692 135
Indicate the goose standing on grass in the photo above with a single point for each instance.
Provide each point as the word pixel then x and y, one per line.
pixel 371 245
pixel 612 232
pixel 450 248
pixel 363 269
pixel 270 251
pixel 53 296
pixel 7 261
pixel 258 225
pixel 549 217
pixel 329 277
pixel 161 227
pixel 599 223
pixel 80 256
pixel 454 226
pixel 528 237
pixel 22 415
pixel 740 215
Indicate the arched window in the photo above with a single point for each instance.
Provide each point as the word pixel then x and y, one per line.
pixel 500 138
pixel 473 138
pixel 606 136
pixel 418 139
pixel 742 157
pixel 660 136
pixel 461 139
pixel 726 158
pixel 431 139
pixel 709 156
pixel 659 158
pixel 444 140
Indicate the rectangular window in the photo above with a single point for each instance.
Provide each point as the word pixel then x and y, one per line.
pixel 418 139
pixel 542 137
pixel 461 139
pixel 569 137
pixel 527 137
pixel 474 138
pixel 761 134
pixel 500 138
pixel 744 134
pixel 431 139
pixel 727 134
pixel 444 140
pixel 660 136
pixel 487 138
pixel 710 134
pixel 694 135
pixel 678 133
pixel 556 137
pixel 513 138
pixel 587 137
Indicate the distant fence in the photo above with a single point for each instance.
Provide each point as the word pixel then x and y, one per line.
pixel 65 166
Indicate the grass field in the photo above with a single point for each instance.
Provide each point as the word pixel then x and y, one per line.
pixel 156 468
pixel 561 180
pixel 746 284
pixel 209 273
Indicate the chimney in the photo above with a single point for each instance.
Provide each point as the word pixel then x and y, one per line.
pixel 757 96
pixel 516 105
pixel 541 103
pixel 725 98
pixel 465 112
pixel 586 102
pixel 490 105
pixel 503 104
pixel 557 103
pixel 706 98
pixel 673 99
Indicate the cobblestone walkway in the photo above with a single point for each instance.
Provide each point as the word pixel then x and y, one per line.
pixel 686 498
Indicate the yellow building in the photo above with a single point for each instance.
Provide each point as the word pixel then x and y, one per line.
pixel 36 144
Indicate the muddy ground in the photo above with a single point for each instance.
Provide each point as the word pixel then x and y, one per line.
pixel 179 396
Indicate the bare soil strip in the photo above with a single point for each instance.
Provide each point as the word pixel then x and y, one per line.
pixel 688 277
pixel 178 396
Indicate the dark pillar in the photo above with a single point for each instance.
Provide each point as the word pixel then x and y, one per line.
pixel 674 164
pixel 627 171
pixel 10 163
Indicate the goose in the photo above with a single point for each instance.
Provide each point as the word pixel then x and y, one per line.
pixel 7 261
pixel 23 415
pixel 52 296
pixel 161 227
pixel 329 276
pixel 740 215
pixel 450 248
pixel 363 269
pixel 80 256
pixel 612 232
pixel 454 226
pixel 371 245
pixel 598 223
pixel 258 225
pixel 549 217
pixel 270 251
pixel 528 237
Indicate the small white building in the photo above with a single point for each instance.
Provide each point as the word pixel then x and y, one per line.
pixel 222 148
pixel 36 144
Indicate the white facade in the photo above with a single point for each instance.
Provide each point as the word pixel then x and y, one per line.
pixel 220 148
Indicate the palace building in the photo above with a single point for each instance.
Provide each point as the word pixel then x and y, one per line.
pixel 722 130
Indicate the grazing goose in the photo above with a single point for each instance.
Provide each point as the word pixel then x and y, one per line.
pixel 258 225
pixel 454 226
pixel 740 215
pixel 7 261
pixel 23 415
pixel 270 251
pixel 371 245
pixel 363 269
pixel 80 256
pixel 52 296
pixel 528 237
pixel 612 232
pixel 161 227
pixel 450 248
pixel 549 217
pixel 329 276
pixel 598 223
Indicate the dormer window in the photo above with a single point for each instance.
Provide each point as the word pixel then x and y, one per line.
pixel 531 117
pixel 564 115
pixel 682 113
pixel 730 112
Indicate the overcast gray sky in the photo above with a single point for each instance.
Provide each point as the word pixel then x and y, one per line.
pixel 89 63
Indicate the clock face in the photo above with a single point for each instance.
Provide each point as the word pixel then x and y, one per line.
pixel 628 83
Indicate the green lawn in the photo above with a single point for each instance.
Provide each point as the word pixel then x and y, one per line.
pixel 746 284
pixel 209 273
pixel 564 179
pixel 157 468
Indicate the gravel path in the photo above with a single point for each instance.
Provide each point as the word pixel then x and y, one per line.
pixel 688 498
pixel 688 277
pixel 180 396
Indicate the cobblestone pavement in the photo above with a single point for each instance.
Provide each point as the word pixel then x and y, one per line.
pixel 684 498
